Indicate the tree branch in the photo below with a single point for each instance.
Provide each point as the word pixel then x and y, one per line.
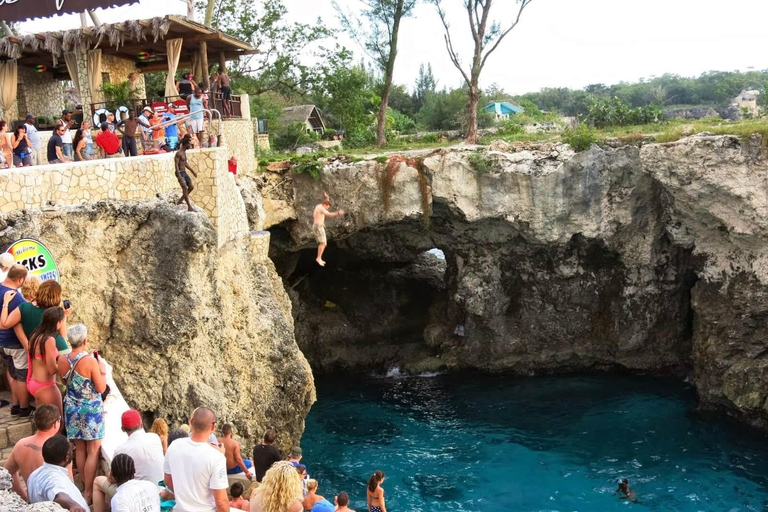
pixel 523 5
pixel 448 43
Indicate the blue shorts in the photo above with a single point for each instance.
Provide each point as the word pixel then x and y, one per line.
pixel 237 469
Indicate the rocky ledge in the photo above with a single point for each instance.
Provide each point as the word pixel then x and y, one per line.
pixel 182 322
pixel 649 259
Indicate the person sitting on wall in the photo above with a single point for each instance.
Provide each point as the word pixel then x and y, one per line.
pixel 108 143
pixel 235 462
pixel 51 481
pixel 146 452
pixel 133 494
pixel 26 455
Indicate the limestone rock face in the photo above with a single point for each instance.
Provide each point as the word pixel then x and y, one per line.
pixel 650 259
pixel 12 502
pixel 184 324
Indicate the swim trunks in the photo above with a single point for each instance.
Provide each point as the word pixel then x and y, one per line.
pixel 237 469
pixel 182 175
pixel 319 232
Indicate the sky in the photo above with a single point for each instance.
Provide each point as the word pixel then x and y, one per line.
pixel 558 43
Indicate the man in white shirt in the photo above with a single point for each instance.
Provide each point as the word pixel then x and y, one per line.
pixel 34 140
pixel 146 452
pixel 196 471
pixel 66 137
pixel 132 495
pixel 51 482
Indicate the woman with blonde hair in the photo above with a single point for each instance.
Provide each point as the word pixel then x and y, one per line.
pixel 29 314
pixel 280 490
pixel 160 427
pixel 312 496
pixel 29 288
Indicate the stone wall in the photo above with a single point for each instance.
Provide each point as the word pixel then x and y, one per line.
pixel 262 141
pixel 129 179
pixel 237 135
pixel 39 94
pixel 216 193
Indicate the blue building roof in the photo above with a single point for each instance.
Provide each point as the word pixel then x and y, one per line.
pixel 504 107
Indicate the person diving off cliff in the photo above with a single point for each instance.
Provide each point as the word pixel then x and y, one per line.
pixel 322 211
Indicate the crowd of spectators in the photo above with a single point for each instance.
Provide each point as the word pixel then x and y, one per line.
pixel 152 132
pixel 187 469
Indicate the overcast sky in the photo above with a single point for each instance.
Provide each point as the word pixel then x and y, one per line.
pixel 569 43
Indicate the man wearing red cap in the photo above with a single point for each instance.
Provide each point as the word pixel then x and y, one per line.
pixel 146 450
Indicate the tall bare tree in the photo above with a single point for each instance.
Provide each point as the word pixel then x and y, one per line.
pixel 486 35
pixel 379 38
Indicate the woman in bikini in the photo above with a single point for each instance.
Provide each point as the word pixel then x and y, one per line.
pixel 376 493
pixel 42 354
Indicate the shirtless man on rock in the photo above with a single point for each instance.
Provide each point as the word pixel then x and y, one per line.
pixel 235 462
pixel 181 171
pixel 27 454
pixel 318 227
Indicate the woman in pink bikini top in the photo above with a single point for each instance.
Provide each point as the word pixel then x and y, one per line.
pixel 42 355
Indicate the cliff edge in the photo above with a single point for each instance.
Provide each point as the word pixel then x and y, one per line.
pixel 183 323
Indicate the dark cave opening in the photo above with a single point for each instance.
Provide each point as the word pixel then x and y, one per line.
pixel 358 313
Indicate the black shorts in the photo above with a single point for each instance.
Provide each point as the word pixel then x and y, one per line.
pixel 182 175
pixel 226 93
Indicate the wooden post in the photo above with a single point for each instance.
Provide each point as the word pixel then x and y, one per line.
pixel 204 63
pixel 7 30
pixel 83 19
pixel 222 62
pixel 94 18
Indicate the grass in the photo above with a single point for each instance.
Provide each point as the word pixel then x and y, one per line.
pixel 668 131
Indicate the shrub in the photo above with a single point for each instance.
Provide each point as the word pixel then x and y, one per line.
pixel 293 135
pixel 510 128
pixel 580 138
pixel 329 134
pixel 308 164
pixel 614 112
pixel 360 138
pixel 430 138
pixel 482 163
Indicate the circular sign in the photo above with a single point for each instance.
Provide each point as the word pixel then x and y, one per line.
pixel 41 68
pixel 143 55
pixel 36 257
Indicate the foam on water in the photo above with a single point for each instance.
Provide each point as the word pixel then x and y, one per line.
pixel 482 443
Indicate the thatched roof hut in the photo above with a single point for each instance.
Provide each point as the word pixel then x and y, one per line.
pixel 307 114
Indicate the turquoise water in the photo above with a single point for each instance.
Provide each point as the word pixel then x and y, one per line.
pixel 490 443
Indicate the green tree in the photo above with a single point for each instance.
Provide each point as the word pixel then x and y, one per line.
pixel 425 83
pixel 343 96
pixel 379 37
pixel 279 65
pixel 487 35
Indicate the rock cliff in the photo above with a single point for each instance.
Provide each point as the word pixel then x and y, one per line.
pixel 649 259
pixel 183 323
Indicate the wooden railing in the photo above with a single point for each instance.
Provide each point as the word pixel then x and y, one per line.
pixel 215 102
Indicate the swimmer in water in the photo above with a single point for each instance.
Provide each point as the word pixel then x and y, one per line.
pixel 625 492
